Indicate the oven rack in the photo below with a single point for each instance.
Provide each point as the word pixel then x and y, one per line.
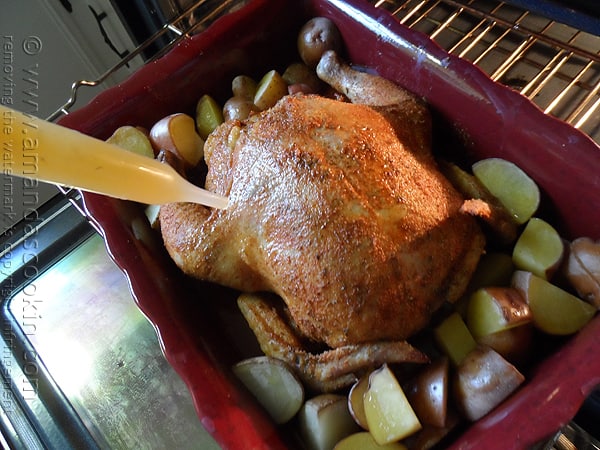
pixel 554 64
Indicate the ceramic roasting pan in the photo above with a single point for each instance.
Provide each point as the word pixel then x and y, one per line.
pixel 197 326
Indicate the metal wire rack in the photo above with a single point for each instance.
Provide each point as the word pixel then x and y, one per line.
pixel 554 64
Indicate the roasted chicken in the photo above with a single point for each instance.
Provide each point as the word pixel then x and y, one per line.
pixel 337 207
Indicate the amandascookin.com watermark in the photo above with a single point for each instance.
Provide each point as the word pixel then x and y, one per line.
pixel 20 90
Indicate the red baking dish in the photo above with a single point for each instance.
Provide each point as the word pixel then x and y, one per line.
pixel 197 322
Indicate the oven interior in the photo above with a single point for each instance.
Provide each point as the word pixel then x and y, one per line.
pixel 82 368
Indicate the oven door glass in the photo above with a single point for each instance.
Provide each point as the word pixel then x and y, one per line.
pixel 82 366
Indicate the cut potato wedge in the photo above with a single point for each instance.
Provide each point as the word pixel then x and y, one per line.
pixel 271 88
pixel 388 412
pixel 429 436
pixel 482 381
pixel 482 204
pixel 583 269
pixel 428 393
pixel 553 310
pixel 209 115
pixel 132 139
pixel 513 344
pixel 273 384
pixel 539 249
pixel 177 134
pixel 454 338
pixel 510 185
pixel 325 420
pixel 494 309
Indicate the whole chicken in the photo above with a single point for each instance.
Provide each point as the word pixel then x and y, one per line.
pixel 335 206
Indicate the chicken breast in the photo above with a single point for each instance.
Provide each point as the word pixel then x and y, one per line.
pixel 336 208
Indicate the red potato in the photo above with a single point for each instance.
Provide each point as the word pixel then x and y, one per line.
pixel 133 139
pixel 316 36
pixel 177 134
pixel 429 436
pixel 325 420
pixel 301 74
pixel 428 393
pixel 518 193
pixel 482 381
pixel 364 441
pixel 582 269
pixel 389 414
pixel 513 344
pixel 356 403
pixel 494 309
pixel 244 86
pixel 274 385
pixel 238 108
pixel 553 310
pixel 271 88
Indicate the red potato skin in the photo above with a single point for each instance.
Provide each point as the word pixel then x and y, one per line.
pixel 482 381
pixel 428 393
pixel 582 269
pixel 316 36
pixel 514 344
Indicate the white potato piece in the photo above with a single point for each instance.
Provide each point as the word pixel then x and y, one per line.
pixel 177 134
pixel 553 310
pixel 325 420
pixel 389 414
pixel 132 139
pixel 510 185
pixel 482 381
pixel 539 249
pixel 364 441
pixel 273 384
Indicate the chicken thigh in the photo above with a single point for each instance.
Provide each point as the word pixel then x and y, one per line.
pixel 336 207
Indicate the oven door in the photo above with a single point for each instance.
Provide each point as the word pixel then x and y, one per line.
pixel 81 366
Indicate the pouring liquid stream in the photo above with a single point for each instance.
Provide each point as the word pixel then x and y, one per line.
pixel 36 149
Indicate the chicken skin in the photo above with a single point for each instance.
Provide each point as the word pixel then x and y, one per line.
pixel 336 207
